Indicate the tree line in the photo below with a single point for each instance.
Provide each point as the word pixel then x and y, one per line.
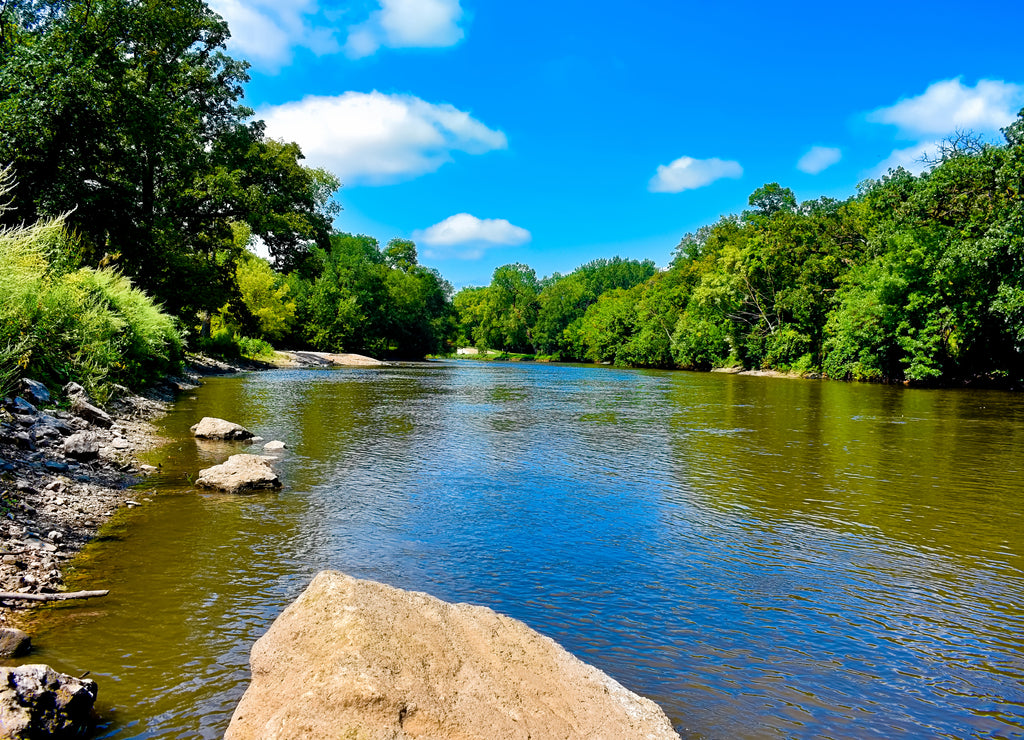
pixel 912 279
pixel 124 120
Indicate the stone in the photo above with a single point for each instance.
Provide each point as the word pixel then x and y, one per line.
pixel 82 446
pixel 91 413
pixel 20 406
pixel 51 425
pixel 213 428
pixel 240 474
pixel 35 391
pixel 24 441
pixel 274 445
pixel 353 658
pixel 36 701
pixel 55 466
pixel 14 642
pixel 73 390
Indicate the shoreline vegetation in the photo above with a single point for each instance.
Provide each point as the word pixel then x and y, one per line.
pixel 126 240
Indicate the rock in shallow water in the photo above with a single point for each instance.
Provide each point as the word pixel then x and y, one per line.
pixel 213 428
pixel 240 474
pixel 36 702
pixel 13 642
pixel 354 658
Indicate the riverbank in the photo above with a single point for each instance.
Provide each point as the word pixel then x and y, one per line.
pixel 65 470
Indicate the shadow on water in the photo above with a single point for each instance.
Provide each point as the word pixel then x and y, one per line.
pixel 763 557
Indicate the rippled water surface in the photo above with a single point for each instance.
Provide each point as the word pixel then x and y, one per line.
pixel 762 557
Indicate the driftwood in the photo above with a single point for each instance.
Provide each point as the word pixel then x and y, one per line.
pixel 7 595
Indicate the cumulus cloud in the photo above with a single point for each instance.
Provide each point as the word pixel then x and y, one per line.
pixel 912 158
pixel 266 32
pixel 818 159
pixel 376 139
pixel 401 24
pixel 465 236
pixel 687 173
pixel 949 105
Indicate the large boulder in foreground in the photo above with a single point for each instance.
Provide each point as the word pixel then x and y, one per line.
pixel 36 701
pixel 352 658
pixel 240 474
pixel 213 428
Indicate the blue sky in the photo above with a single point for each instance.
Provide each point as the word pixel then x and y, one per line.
pixel 554 133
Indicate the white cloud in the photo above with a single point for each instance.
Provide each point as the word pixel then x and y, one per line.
pixel 464 236
pixel 267 31
pixel 687 173
pixel 818 159
pixel 910 159
pixel 403 24
pixel 373 138
pixel 949 105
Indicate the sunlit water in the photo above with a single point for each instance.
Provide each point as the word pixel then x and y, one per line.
pixel 762 557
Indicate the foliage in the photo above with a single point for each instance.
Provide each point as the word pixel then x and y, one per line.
pixel 127 116
pixel 355 297
pixel 90 326
pixel 264 294
pixel 916 279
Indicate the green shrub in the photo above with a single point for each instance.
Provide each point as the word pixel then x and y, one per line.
pixel 220 343
pixel 89 326
pixel 254 348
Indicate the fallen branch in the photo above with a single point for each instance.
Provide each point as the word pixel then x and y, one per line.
pixel 8 596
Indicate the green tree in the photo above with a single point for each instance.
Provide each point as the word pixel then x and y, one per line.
pixel 128 115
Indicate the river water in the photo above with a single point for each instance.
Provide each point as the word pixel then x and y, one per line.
pixel 763 557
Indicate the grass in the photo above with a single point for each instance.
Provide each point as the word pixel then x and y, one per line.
pixel 59 324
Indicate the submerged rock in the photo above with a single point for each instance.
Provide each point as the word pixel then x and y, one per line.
pixel 274 445
pixel 36 701
pixel 213 428
pixel 354 658
pixel 239 474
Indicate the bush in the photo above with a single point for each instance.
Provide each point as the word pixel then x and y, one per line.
pixel 226 344
pixel 89 326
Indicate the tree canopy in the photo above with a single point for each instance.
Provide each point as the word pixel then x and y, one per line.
pixel 127 115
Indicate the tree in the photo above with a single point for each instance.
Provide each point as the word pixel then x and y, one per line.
pixel 128 115
pixel 770 199
pixel 510 309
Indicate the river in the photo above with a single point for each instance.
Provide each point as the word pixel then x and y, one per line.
pixel 763 557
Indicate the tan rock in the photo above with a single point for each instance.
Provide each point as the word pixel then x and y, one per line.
pixel 358 659
pixel 240 474
pixel 14 642
pixel 212 428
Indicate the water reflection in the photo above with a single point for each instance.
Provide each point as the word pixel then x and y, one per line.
pixel 763 557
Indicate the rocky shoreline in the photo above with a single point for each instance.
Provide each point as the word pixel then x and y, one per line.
pixel 66 466
pixel 64 470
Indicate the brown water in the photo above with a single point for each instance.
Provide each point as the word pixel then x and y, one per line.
pixel 763 557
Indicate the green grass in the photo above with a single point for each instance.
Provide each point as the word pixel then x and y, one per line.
pixel 59 324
